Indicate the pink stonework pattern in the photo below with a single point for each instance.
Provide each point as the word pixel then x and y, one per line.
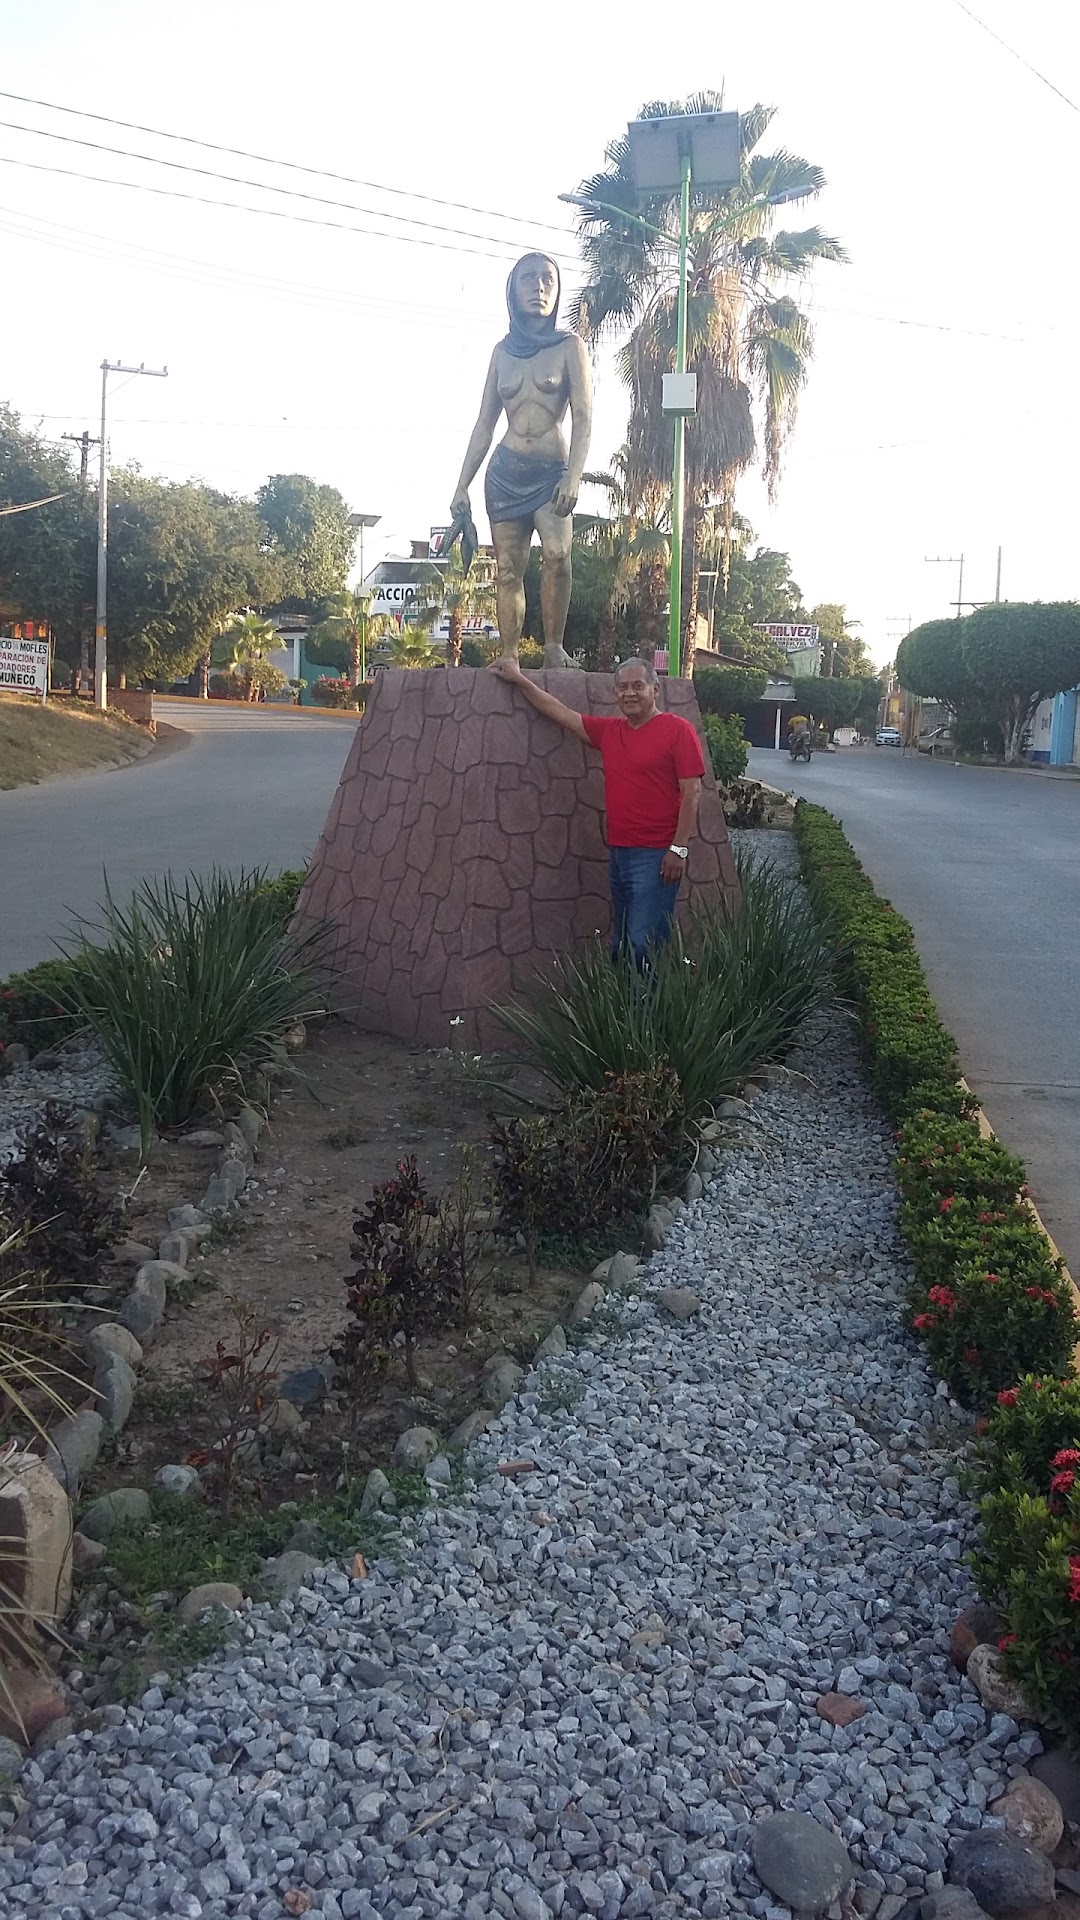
pixel 465 847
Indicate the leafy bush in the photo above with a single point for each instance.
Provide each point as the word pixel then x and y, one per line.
pixel 331 691
pixel 717 1002
pixel 728 747
pixel 719 689
pixel 404 1283
pixel 33 1006
pixel 745 803
pixel 50 1196
pixel 190 988
pixel 983 1329
pixel 592 1160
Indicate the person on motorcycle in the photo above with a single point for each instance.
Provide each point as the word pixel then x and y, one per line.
pixel 799 740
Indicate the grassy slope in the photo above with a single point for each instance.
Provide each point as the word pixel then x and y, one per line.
pixel 66 736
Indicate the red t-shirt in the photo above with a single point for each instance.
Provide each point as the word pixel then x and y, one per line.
pixel 642 769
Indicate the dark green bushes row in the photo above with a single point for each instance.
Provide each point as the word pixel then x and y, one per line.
pixel 989 1298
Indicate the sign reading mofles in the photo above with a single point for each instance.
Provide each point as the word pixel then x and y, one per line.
pixel 24 665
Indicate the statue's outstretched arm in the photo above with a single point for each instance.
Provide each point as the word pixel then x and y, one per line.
pixel 580 372
pixel 486 421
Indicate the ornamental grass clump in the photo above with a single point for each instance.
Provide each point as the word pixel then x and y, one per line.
pixel 717 1001
pixel 190 988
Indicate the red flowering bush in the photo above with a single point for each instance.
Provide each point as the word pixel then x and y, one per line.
pixel 985 1329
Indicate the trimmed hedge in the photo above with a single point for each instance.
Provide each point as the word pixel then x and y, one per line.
pixel 35 1005
pixel 990 1300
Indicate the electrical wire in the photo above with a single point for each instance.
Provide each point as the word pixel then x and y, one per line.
pixel 294 166
pixel 242 180
pixel 271 213
pixel 1017 56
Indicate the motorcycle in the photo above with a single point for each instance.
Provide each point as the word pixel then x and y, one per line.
pixel 800 750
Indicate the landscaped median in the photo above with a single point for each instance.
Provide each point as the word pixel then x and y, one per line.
pixel 989 1294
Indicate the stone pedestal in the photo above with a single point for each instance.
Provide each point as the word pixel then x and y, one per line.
pixel 465 848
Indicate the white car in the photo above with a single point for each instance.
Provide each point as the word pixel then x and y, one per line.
pixel 889 737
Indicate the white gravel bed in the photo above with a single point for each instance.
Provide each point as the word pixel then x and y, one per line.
pixel 80 1080
pixel 575 1690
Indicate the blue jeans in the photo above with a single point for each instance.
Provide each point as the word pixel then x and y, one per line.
pixel 642 904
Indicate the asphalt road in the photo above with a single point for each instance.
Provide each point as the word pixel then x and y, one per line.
pixel 245 789
pixel 985 863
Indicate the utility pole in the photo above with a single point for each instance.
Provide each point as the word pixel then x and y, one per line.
pixel 81 675
pixel 997 587
pixel 950 560
pixel 101 644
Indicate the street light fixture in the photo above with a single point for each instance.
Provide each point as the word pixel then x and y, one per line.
pixel 668 155
pixel 362 520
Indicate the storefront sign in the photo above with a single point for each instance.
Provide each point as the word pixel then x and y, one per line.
pixel 24 666
pixel 789 633
pixel 394 596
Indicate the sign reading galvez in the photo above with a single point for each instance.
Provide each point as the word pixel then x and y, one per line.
pixel 789 633
pixel 24 665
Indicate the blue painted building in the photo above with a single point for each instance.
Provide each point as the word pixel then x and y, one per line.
pixel 1054 741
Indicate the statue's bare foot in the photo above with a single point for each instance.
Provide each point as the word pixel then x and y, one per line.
pixel 557 656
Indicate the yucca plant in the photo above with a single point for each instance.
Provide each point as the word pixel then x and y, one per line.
pixel 716 1002
pixel 190 988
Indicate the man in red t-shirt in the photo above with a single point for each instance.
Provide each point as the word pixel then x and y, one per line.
pixel 652 790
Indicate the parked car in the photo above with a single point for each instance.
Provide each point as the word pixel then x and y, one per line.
pixel 935 740
pixel 889 737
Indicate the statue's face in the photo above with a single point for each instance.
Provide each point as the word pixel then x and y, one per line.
pixel 535 287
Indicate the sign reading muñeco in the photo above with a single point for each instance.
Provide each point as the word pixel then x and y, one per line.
pixel 24 666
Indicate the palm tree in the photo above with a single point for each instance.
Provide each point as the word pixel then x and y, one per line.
pixel 747 340
pixel 240 647
pixel 411 647
pixel 464 596
pixel 347 620
pixel 634 553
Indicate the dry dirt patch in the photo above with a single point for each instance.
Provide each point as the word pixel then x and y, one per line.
pixel 64 736
pixel 363 1101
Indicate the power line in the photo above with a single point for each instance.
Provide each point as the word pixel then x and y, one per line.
pixel 294 166
pixel 1017 56
pixel 241 180
pixel 271 213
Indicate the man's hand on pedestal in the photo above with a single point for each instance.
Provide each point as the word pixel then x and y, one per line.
pixel 506 668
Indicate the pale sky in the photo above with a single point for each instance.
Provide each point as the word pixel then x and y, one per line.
pixel 938 418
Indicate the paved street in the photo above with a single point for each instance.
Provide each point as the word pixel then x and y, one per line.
pixel 986 865
pixel 251 789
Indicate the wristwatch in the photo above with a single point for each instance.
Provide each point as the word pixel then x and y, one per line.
pixel 683 852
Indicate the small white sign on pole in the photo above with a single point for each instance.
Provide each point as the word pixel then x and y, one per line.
pixel 24 666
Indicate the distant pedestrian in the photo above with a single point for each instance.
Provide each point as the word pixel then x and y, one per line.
pixel 653 769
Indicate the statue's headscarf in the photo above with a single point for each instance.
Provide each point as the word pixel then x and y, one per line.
pixel 522 341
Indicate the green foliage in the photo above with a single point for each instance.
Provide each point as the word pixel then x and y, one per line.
pixel 46 554
pixel 190 987
pixel 34 1009
pixel 477 653
pixel 728 747
pixel 591 1161
pixel 1029 1424
pixel 51 1197
pixel 305 528
pixel 720 689
pixel 836 703
pixel 718 1001
pixel 332 692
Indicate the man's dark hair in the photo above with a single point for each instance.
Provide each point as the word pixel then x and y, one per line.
pixel 646 666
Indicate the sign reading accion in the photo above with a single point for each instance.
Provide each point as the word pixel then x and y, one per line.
pixel 394 596
pixel 24 665
pixel 789 633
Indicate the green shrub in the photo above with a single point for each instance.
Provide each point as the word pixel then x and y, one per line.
pixel 593 1160
pixel 718 1001
pixel 728 747
pixel 331 691
pixel 984 1329
pixel 719 689
pixel 34 1006
pixel 190 988
pixel 1029 1425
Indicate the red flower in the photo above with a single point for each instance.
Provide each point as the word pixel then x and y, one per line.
pixel 1008 1398
pixel 943 1297
pixel 982 1426
pixel 1007 1640
pixel 1041 1293
pixel 992 1279
pixel 922 1320
pixel 947 1203
pixel 1063 1482
pixel 1074 1578
pixel 971 1356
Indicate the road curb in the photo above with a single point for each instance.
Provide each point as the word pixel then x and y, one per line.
pixel 988 1133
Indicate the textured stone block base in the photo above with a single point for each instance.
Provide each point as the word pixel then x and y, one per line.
pixel 465 848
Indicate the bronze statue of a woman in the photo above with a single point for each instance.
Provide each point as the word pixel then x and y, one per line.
pixel 536 373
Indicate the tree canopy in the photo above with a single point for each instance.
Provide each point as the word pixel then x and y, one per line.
pixel 995 665
pixel 306 529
